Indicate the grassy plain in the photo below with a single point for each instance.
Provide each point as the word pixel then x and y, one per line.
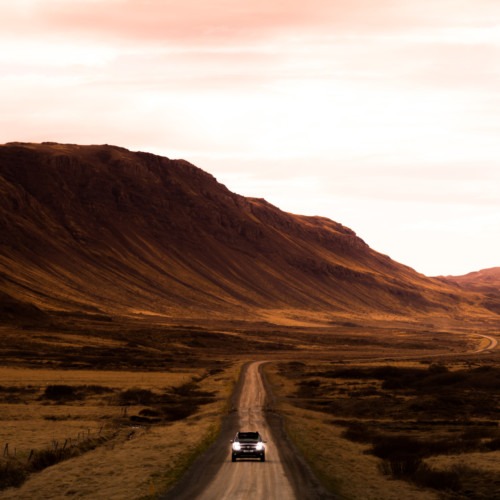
pixel 106 434
pixel 118 409
pixel 386 429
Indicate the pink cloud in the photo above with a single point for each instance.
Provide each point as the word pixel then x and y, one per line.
pixel 160 20
pixel 227 20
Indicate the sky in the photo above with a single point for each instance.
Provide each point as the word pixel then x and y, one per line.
pixel 383 115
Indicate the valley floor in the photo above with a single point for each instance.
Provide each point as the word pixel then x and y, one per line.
pixel 121 411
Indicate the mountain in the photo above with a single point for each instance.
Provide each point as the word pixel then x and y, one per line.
pixel 100 230
pixel 486 281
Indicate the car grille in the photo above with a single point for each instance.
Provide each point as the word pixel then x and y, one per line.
pixel 248 446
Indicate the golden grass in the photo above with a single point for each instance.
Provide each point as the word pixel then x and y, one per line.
pixel 12 376
pixel 440 420
pixel 36 427
pixel 127 469
pixel 140 461
pixel 484 461
pixel 340 464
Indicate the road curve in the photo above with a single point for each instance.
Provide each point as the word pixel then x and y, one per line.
pixel 492 343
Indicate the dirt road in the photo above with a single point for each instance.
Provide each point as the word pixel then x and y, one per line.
pixel 282 476
pixel 251 479
pixel 491 343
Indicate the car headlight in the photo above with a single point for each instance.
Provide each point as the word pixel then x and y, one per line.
pixel 259 447
pixel 236 446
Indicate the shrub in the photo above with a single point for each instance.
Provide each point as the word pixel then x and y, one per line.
pixel 191 390
pixel 359 433
pixel 96 389
pixel 45 458
pixel 60 392
pixel 148 412
pixel 438 380
pixel 413 469
pixel 437 479
pixel 400 446
pixel 179 411
pixel 41 459
pixel 401 468
pixel 192 393
pixel 137 397
pixel 12 474
pixel 397 447
pixel 437 368
pixel 308 388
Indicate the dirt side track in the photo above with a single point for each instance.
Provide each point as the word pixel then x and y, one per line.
pixel 299 481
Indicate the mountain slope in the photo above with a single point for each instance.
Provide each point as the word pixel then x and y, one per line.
pixel 486 281
pixel 103 229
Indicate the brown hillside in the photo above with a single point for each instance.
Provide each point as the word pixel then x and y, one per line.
pixel 100 229
pixel 486 281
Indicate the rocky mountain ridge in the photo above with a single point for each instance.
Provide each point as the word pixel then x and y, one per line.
pixel 103 230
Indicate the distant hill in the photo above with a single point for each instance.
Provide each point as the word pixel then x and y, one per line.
pixel 486 281
pixel 100 229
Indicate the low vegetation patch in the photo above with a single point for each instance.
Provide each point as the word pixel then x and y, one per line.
pixel 45 425
pixel 174 403
pixel 14 471
pixel 406 415
pixel 65 393
pixel 41 459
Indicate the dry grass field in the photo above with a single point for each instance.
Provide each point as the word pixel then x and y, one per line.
pixel 105 434
pixel 98 409
pixel 387 429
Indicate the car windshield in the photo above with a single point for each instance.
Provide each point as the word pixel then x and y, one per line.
pixel 248 436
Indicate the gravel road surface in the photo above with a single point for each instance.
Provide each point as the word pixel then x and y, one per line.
pixel 282 476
